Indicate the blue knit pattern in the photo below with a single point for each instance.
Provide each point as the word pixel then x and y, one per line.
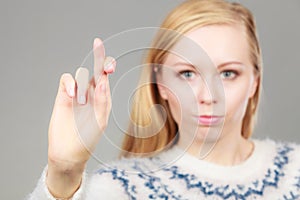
pixel 257 187
pixel 122 177
pixel 155 185
pixel 158 190
pixel 297 180
pixel 294 194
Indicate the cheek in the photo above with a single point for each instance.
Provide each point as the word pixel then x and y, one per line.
pixel 180 104
pixel 236 101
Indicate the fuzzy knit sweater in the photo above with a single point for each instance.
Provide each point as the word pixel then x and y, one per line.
pixel 272 172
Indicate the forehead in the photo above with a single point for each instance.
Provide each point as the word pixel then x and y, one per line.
pixel 222 43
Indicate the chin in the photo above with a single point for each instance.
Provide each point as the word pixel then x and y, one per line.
pixel 208 134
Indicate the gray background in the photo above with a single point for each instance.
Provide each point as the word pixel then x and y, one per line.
pixel 42 39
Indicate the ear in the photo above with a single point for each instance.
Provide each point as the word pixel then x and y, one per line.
pixel 162 90
pixel 254 86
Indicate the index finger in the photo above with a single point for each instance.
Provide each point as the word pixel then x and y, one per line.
pixel 99 55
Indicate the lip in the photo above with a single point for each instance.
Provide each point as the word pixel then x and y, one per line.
pixel 209 120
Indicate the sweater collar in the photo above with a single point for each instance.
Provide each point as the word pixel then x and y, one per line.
pixel 253 167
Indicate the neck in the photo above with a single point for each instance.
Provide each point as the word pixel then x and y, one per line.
pixel 229 149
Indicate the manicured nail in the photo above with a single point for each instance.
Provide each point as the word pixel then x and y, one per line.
pixel 109 67
pixel 109 64
pixel 71 92
pixel 82 99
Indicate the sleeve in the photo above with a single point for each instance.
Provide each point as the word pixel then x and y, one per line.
pixel 41 191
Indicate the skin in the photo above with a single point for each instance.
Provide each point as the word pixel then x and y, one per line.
pixel 70 141
pixel 228 50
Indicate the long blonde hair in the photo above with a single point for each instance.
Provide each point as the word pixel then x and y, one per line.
pixel 185 17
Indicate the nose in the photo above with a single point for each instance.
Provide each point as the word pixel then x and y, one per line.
pixel 206 92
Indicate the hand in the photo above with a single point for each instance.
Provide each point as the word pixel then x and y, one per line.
pixel 80 116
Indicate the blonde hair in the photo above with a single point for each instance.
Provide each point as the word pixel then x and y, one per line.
pixel 189 15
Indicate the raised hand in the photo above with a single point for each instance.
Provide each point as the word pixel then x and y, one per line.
pixel 79 118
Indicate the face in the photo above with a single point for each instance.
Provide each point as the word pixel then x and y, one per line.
pixel 208 88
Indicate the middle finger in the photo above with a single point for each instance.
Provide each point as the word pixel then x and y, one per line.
pixel 99 55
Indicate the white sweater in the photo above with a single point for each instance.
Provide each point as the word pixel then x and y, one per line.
pixel 272 172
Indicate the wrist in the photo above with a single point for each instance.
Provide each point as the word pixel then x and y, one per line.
pixel 63 179
pixel 66 168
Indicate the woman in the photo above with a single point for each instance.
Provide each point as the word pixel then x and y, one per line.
pixel 209 98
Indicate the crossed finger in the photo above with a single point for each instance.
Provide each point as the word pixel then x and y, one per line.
pixel 102 66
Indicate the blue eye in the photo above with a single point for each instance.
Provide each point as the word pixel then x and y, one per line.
pixel 187 74
pixel 229 74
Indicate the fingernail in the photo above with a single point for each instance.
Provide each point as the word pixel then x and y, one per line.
pixel 109 67
pixel 71 92
pixel 82 99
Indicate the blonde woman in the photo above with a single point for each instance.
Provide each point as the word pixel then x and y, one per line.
pixel 198 144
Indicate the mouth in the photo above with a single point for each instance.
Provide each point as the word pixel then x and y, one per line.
pixel 209 120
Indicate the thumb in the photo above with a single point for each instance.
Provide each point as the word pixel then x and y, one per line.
pixel 66 90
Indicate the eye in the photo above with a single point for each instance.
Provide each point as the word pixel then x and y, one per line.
pixel 187 74
pixel 228 74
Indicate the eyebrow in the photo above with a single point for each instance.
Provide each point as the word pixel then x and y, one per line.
pixel 219 66
pixel 230 63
